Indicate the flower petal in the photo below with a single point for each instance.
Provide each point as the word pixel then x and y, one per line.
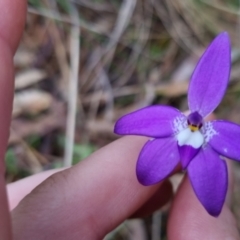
pixel 189 144
pixel 157 160
pixel 226 139
pixel 208 175
pixel 187 153
pixel 210 77
pixel 153 121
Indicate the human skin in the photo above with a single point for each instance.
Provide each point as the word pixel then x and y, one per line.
pixel 91 198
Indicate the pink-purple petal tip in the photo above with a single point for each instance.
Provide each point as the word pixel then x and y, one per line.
pixel 210 77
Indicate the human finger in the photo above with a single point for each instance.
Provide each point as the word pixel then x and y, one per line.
pixel 18 190
pixel 88 200
pixel 189 220
pixel 12 19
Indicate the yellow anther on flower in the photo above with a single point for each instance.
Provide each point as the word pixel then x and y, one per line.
pixel 193 128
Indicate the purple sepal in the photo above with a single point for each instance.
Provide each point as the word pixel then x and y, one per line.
pixel 210 78
pixel 187 153
pixel 154 121
pixel 209 178
pixel 157 160
pixel 226 140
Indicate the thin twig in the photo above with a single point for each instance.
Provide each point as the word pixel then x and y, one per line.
pixel 63 18
pixel 142 37
pixel 123 20
pixel 73 89
pixel 100 7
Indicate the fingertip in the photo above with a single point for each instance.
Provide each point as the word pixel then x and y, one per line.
pixel 189 220
pixel 12 21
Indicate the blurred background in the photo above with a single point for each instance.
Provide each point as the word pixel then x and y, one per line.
pixel 82 64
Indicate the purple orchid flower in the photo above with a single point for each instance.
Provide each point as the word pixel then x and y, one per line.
pixel 199 145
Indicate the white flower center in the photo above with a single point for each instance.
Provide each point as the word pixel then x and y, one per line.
pixel 194 139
